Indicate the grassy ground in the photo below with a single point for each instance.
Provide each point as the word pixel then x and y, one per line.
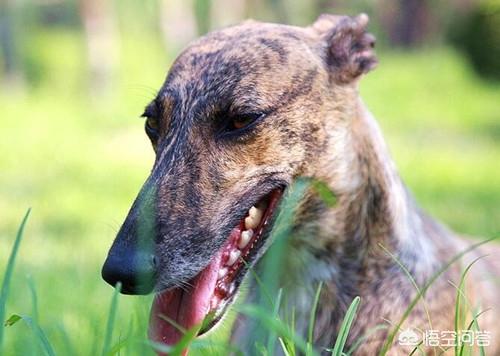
pixel 79 161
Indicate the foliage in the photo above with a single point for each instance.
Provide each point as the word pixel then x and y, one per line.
pixel 478 35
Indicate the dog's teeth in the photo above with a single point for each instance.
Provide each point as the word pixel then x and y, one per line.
pixel 253 218
pixel 245 238
pixel 233 257
pixel 231 288
pixel 256 213
pixel 222 272
pixel 250 223
pixel 214 302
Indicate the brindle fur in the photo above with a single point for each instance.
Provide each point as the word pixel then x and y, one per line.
pixel 315 125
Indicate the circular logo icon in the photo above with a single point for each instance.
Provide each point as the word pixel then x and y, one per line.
pixel 408 337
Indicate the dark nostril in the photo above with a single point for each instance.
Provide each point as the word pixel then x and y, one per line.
pixel 136 271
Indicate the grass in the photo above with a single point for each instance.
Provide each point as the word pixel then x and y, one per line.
pixel 338 349
pixel 397 328
pixel 273 324
pixel 80 160
pixel 4 292
pixel 110 325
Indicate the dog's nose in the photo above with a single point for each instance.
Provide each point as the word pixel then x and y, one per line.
pixel 135 270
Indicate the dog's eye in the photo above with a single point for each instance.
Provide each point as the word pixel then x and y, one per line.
pixel 152 127
pixel 242 121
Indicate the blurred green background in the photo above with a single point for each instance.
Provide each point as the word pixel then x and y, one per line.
pixel 75 76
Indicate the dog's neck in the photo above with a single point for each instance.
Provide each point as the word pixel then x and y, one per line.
pixel 374 207
pixel 348 247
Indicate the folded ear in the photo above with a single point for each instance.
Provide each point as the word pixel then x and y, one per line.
pixel 349 47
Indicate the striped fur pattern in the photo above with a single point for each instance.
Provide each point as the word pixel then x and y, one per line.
pixel 300 86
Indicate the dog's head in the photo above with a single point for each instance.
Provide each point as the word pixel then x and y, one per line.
pixel 243 112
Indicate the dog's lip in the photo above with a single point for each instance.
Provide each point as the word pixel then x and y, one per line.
pixel 274 197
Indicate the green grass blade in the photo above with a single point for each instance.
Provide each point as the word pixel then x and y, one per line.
pixel 118 346
pixel 188 338
pixel 42 338
pixel 271 341
pixel 262 350
pixel 284 347
pixel 417 348
pixel 412 281
pixel 273 262
pixel 390 338
pixel 345 327
pixel 292 324
pixel 269 323
pixel 12 320
pixel 324 192
pixel 215 347
pixel 65 340
pixel 173 323
pixel 123 341
pixel 111 320
pixel 312 317
pixel 262 288
pixel 184 342
pixel 158 346
pixel 459 309
pixel 482 352
pixel 287 345
pixel 36 329
pixel 365 336
pixel 469 327
pixel 34 299
pixel 8 272
pixel 272 267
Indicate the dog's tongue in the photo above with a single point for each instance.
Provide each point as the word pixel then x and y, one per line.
pixel 186 307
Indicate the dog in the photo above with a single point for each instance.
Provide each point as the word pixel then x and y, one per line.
pixel 243 113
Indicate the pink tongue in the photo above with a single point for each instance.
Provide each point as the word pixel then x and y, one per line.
pixel 187 308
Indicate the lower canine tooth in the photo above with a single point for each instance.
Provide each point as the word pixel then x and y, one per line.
pixel 233 257
pixel 245 238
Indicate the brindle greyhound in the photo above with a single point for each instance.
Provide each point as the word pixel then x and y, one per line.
pixel 243 112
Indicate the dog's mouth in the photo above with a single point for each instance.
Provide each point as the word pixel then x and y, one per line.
pixel 206 299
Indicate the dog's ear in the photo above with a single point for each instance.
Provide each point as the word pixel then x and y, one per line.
pixel 349 48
